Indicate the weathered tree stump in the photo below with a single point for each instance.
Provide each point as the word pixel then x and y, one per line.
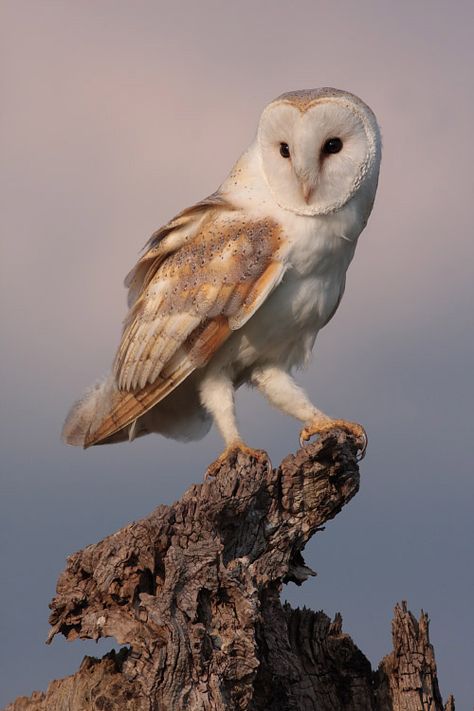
pixel 193 590
pixel 407 677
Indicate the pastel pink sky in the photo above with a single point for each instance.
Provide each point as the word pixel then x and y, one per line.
pixel 114 116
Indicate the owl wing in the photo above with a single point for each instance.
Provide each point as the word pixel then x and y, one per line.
pixel 202 276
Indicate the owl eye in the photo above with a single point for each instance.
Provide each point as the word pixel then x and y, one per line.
pixel 284 150
pixel 332 145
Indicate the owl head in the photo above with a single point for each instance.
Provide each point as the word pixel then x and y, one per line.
pixel 318 148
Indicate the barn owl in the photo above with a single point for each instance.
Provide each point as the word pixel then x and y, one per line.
pixel 234 289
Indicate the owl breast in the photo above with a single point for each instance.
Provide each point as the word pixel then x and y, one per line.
pixel 284 329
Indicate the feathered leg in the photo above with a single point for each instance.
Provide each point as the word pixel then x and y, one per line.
pixel 281 391
pixel 216 391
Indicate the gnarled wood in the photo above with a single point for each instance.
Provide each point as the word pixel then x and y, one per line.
pixel 194 590
pixel 407 678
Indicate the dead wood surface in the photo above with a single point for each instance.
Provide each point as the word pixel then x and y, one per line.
pixel 407 677
pixel 193 590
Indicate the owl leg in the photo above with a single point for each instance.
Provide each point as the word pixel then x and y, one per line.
pixel 216 392
pixel 282 392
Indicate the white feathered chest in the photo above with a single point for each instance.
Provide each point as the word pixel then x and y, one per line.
pixel 284 329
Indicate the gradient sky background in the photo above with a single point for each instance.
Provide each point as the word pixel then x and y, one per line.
pixel 114 116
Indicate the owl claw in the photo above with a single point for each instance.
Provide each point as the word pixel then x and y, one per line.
pixel 230 454
pixel 321 426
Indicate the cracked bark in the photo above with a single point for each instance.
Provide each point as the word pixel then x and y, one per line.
pixel 194 591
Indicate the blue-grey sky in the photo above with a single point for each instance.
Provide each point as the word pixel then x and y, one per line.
pixel 115 115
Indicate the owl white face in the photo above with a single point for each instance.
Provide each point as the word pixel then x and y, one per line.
pixel 317 149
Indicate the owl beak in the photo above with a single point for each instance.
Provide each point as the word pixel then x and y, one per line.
pixel 307 189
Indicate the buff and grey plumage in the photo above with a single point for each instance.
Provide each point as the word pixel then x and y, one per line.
pixel 235 288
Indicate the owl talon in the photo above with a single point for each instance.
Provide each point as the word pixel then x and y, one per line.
pixel 230 454
pixel 321 426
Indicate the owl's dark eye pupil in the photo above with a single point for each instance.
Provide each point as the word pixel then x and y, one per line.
pixel 332 145
pixel 284 150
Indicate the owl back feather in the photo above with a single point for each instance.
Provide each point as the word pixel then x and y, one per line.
pixel 203 277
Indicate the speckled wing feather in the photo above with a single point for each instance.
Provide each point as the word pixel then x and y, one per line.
pixel 202 276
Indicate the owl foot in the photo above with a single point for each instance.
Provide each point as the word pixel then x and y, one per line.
pixel 353 428
pixel 230 455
